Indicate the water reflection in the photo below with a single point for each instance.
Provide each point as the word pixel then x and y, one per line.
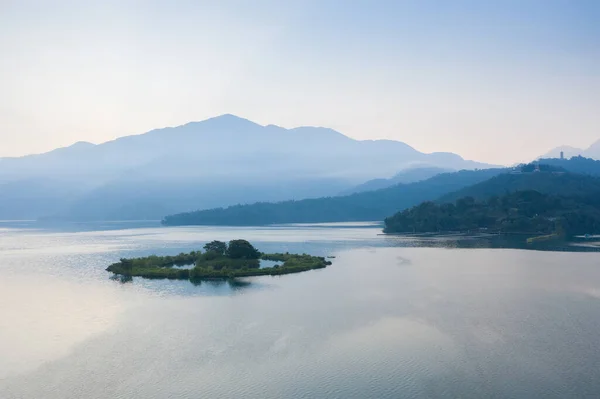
pixel 121 279
pixel 203 287
pixel 218 286
pixel 371 240
pixel 235 284
pixel 460 241
pixel 392 317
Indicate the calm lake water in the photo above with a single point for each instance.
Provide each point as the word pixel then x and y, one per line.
pixel 393 317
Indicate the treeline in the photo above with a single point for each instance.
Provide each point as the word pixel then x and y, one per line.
pixel 551 182
pixel 161 261
pixel 519 212
pixel 365 206
pixel 576 164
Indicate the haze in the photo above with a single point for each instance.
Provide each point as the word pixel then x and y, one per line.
pixel 498 82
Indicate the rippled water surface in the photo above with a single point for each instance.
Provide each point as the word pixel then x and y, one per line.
pixel 393 317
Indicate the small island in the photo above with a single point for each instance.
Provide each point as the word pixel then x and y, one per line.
pixel 220 260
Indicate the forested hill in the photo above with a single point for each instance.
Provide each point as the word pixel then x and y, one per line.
pixel 366 206
pixel 577 164
pixel 550 182
pixel 520 212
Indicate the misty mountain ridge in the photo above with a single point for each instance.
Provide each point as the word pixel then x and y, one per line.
pixel 231 137
pixel 217 162
pixel 411 175
pixel 576 176
pixel 362 206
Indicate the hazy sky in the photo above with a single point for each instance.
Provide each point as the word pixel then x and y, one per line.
pixel 498 81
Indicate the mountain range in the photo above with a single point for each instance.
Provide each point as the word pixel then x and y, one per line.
pixel 363 206
pixel 218 162
pixel 577 176
pixel 410 175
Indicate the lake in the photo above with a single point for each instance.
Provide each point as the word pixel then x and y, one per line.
pixel 393 317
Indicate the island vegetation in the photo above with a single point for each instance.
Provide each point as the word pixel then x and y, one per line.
pixel 527 212
pixel 220 260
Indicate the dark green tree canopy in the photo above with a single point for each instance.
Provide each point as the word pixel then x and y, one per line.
pixel 526 211
pixel 218 247
pixel 242 249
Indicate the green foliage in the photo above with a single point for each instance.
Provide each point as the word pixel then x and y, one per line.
pixel 212 265
pixel 242 249
pixel 218 247
pixel 552 182
pixel 539 167
pixel 210 256
pixel 577 164
pixel 129 266
pixel 277 257
pixel 522 211
pixel 224 262
pixel 364 206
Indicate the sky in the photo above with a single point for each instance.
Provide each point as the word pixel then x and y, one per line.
pixel 495 81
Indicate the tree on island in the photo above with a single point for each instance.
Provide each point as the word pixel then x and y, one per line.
pixel 218 247
pixel 127 265
pixel 242 249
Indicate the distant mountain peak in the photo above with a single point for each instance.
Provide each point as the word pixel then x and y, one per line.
pixel 594 146
pixel 225 121
pixel 218 123
pixel 593 151
pixel 229 118
pixel 567 151
pixel 81 144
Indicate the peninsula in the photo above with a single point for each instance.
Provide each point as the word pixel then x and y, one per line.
pixel 220 260
pixel 525 212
